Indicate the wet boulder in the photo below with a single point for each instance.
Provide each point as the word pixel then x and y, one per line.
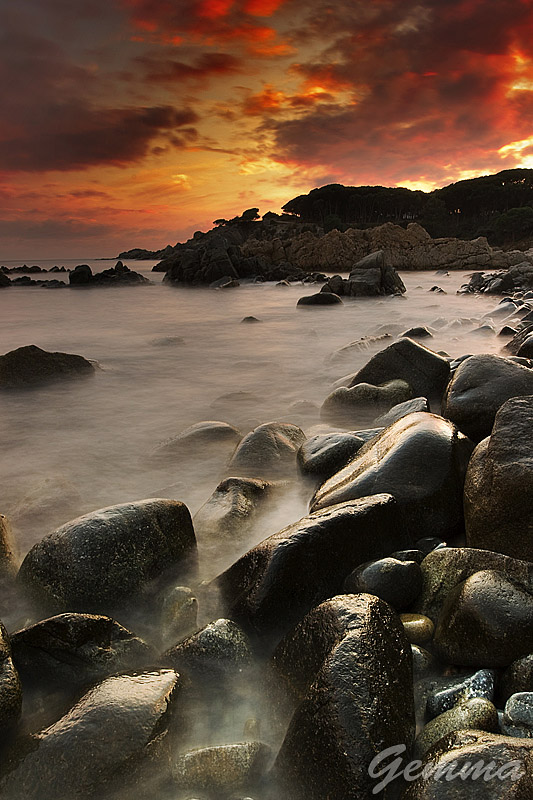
pixel 114 731
pixel 323 455
pixel 518 677
pixel 352 405
pixel 348 665
pixel 518 715
pixel 426 372
pixel 29 367
pixel 499 484
pixel 220 648
pixel 320 299
pixel 10 686
pixel 494 768
pixel 72 650
pixel 222 769
pixel 486 621
pixel 276 583
pixel 106 559
pixel 402 410
pixel 421 460
pixel 268 450
pixel 479 387
pixel 396 582
pixel 446 568
pixel 477 713
pixel 480 684
pixel 233 503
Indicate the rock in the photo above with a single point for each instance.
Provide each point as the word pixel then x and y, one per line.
pixel 499 484
pixel 480 684
pixel 426 372
pixel 269 449
pixel 518 715
pixel 222 769
pixel 346 353
pixel 443 570
pixel 250 319
pixel 350 662
pixel 4 280
pixel 197 439
pixel 268 589
pixel 479 387
pixel 518 677
pixel 320 299
pixel 423 661
pixel 168 341
pixel 8 563
pixel 179 614
pixel 119 275
pixel 10 686
pixel 323 455
pixel 81 275
pixel 421 460
pixel 396 582
pixel 418 628
pixel 219 649
pixel 401 410
pixel 494 768
pixel 476 714
pixel 72 650
pixel 28 367
pixel 420 332
pixel 486 621
pixel 105 559
pixel 100 742
pixel 348 405
pixel 371 275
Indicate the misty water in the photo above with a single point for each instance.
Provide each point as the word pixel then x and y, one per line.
pixel 166 357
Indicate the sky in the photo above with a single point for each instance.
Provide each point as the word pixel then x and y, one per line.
pixel 133 123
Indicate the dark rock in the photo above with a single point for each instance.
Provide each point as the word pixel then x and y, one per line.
pixel 81 275
pixel 420 332
pixel 409 555
pixel 4 280
pixel 350 662
pixel 518 715
pixel 480 684
pixel 474 714
pixel 507 331
pixel 168 341
pixel 219 649
pixel 423 661
pixel 8 563
pixel 396 582
pixel 106 558
pixel 486 621
pixel 73 650
pixel 479 387
pixel 269 449
pixel 119 275
pixel 351 405
pixel 426 372
pixel 275 584
pixel 371 276
pixel 222 769
pixel 418 628
pixel 30 366
pixel 499 484
pixel 421 460
pixel 323 455
pixel 429 543
pixel 443 570
pixel 518 677
pixel 10 687
pixel 320 299
pixel 401 410
pixel 100 743
pixel 250 319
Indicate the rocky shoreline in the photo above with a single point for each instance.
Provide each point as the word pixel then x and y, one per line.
pixel 396 615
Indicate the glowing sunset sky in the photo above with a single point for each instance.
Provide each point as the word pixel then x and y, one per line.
pixel 135 122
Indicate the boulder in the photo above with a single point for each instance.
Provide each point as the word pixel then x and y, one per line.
pixel 10 686
pixel 320 299
pixel 72 650
pixel 275 584
pixel 480 684
pixel 426 372
pixel 518 677
pixel 106 559
pixel 473 714
pixel 421 460
pixel 323 455
pixel 222 769
pixel 198 439
pixel 479 387
pixel 355 404
pixel 81 275
pixel 371 275
pixel 268 450
pixel 444 569
pixel 28 367
pixel 219 649
pixel 494 768
pixel 401 410
pixel 230 508
pixel 486 621
pixel 4 280
pixel 518 715
pixel 398 583
pixel 349 662
pixel 105 740
pixel 8 563
pixel 499 484
pixel 179 614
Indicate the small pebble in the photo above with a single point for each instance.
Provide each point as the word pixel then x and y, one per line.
pixel 418 628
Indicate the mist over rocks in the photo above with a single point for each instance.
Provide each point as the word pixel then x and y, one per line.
pixel 28 367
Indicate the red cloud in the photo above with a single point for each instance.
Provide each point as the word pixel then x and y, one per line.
pixel 168 70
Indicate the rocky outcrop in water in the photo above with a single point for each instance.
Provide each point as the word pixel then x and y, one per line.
pixel 29 367
pixel 119 275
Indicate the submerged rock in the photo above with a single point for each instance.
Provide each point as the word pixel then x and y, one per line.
pixel 104 559
pixel 499 484
pixel 276 583
pixel 179 614
pixel 479 387
pixel 197 439
pixel 232 505
pixel 100 743
pixel 421 460
pixel 28 367
pixel 349 664
pixel 269 449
